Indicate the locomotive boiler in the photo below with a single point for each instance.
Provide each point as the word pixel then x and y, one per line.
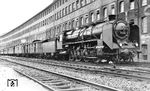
pixel 114 40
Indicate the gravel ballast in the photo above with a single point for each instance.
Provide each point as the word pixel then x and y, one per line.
pixel 116 82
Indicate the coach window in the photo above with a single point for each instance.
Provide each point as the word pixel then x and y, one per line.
pixel 98 15
pixel 113 9
pixel 121 6
pixel 92 17
pixel 144 24
pixel 105 13
pixel 144 2
pixel 132 4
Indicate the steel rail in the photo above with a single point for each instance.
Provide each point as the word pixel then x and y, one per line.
pixel 90 83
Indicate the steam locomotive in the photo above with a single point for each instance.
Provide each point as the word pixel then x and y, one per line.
pixel 115 40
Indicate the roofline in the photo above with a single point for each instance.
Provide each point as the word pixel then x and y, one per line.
pixel 54 1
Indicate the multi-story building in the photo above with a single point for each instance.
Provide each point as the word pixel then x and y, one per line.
pixel 64 15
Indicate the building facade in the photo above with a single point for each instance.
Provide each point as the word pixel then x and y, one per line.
pixel 64 15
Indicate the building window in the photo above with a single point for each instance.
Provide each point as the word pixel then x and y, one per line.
pixel 66 26
pixel 73 6
pixel 77 4
pixel 73 24
pixel 57 31
pixel 77 22
pixel 144 24
pixel 105 13
pixel 132 4
pixel 92 17
pixel 121 6
pixel 69 25
pixel 113 9
pixel 63 12
pixel 88 1
pixel 144 51
pixel 98 15
pixel 70 9
pixel 144 2
pixel 82 21
pixel 66 0
pixel 82 2
pixel 62 1
pixel 86 19
pixel 66 12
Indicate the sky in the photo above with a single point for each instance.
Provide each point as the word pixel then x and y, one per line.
pixel 15 12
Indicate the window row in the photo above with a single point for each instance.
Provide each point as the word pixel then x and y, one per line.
pixel 80 3
pixel 68 9
pixel 71 8
pixel 77 22
pixel 83 19
pixel 132 4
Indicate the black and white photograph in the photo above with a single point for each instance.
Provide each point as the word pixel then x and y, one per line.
pixel 75 45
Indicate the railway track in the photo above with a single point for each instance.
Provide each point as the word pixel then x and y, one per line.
pixel 60 82
pixel 128 74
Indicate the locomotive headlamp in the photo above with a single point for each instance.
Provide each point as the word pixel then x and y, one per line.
pixel 136 44
pixel 120 44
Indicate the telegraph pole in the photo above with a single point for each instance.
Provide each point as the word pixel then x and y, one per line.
pixel 138 22
pixel 138 12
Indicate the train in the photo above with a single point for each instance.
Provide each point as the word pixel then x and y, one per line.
pixel 77 30
pixel 112 40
